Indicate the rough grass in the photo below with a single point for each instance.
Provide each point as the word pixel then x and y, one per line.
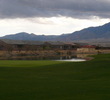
pixel 52 80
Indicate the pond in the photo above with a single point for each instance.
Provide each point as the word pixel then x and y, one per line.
pixel 75 57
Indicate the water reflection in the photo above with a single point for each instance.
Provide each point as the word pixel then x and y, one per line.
pixel 75 57
pixel 73 60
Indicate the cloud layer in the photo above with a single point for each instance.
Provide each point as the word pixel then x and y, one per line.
pixel 50 8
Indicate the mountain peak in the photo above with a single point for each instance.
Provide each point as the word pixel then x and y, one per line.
pixel 22 33
pixel 32 34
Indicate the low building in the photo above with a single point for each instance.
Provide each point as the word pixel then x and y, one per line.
pixel 23 45
pixel 87 49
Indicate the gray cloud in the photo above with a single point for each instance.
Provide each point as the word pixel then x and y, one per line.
pixel 50 8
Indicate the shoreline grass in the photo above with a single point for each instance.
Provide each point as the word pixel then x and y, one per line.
pixel 54 80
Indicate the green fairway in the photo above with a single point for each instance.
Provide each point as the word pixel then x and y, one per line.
pixel 54 80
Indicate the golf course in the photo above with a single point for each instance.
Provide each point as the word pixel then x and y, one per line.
pixel 55 80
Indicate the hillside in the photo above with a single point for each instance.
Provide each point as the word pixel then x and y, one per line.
pixel 100 33
pixel 27 36
pixel 91 33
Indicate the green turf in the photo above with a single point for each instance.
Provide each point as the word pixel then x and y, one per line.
pixel 53 80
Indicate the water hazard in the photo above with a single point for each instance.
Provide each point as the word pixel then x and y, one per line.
pixel 75 57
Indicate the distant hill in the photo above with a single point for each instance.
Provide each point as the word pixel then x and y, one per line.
pixel 100 33
pixel 27 36
pixel 91 33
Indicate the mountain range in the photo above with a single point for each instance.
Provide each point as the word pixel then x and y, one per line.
pixel 91 34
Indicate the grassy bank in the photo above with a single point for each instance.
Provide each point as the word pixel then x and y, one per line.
pixel 51 80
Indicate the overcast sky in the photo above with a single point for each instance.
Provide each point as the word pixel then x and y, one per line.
pixel 51 17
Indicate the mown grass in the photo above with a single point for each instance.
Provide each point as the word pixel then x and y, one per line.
pixel 53 80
